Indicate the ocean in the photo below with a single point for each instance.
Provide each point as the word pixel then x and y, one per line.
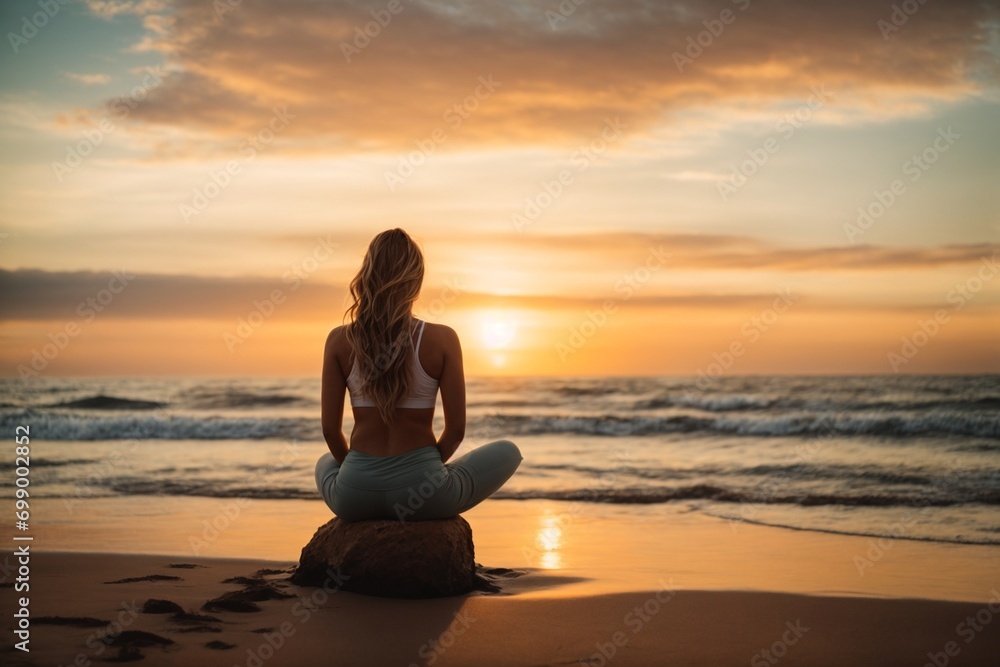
pixel 909 457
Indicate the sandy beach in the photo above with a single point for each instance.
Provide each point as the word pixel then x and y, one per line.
pixel 315 626
pixel 755 595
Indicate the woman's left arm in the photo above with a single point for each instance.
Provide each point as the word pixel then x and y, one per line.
pixel 452 385
pixel 332 398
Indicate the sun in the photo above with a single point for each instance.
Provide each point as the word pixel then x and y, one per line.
pixel 498 329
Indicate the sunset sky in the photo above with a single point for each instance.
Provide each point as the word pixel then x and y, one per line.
pixel 611 188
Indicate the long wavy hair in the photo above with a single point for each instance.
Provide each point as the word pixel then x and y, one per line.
pixel 383 292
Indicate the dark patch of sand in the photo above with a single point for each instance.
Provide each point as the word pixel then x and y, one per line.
pixel 75 621
pixel 148 577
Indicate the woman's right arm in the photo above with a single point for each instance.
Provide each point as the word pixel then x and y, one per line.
pixel 332 398
pixel 452 384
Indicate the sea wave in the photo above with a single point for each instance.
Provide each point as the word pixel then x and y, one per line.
pixel 62 425
pixel 74 426
pixel 784 472
pixel 204 399
pixel 654 495
pixel 985 425
pixel 729 403
pixel 103 402
pixel 217 399
pixel 58 463
pixel 763 402
pixel 621 495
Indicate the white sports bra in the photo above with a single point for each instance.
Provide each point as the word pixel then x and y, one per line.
pixel 423 388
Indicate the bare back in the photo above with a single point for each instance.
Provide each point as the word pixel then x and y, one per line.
pixel 440 356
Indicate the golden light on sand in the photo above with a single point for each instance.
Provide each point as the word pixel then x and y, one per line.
pixel 549 541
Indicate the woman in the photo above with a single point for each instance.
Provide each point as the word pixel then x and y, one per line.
pixel 392 364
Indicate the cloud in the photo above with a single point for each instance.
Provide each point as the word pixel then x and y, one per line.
pixel 689 251
pixel 38 295
pixel 423 69
pixel 89 79
pixel 734 252
pixel 110 8
pixel 35 294
pixel 693 175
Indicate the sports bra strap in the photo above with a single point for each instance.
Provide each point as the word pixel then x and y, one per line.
pixel 420 336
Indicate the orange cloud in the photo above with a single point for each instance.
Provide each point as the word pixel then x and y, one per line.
pixel 35 294
pixel 550 82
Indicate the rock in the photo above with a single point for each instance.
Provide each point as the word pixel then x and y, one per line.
pixel 136 638
pixel 154 606
pixel 416 559
pixel 189 618
pixel 76 621
pixel 228 604
pixel 219 646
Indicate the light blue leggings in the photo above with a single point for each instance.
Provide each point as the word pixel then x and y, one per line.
pixel 414 486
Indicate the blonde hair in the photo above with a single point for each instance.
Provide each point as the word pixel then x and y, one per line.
pixel 379 332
